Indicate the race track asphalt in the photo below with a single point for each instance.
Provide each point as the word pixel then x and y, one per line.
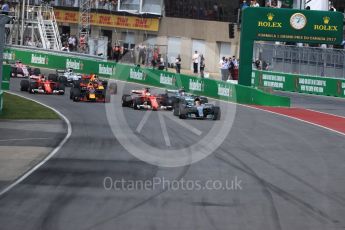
pixel 290 176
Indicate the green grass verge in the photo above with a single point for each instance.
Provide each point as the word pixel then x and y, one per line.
pixel 20 108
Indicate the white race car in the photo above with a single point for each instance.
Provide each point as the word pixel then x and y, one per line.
pixel 68 76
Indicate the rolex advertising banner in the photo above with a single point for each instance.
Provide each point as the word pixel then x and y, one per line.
pixel 287 25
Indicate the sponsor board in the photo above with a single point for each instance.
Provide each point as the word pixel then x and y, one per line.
pixel 136 75
pixel 312 85
pixel 224 90
pixel 106 69
pixel 167 79
pixel 196 85
pixel 39 59
pixel 74 64
pixel 10 56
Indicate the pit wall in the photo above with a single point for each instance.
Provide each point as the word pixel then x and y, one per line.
pixel 299 83
pixel 207 87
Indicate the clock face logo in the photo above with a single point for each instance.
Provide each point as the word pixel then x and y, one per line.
pixel 298 21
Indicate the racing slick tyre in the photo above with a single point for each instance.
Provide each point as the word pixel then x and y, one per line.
pixel 203 100
pixel 13 72
pixel 136 103
pixel 62 80
pixel 105 84
pixel 182 113
pixel 71 94
pixel 112 88
pixel 76 94
pixel 176 110
pixel 216 113
pixel 24 85
pixel 53 77
pixel 61 89
pixel 32 86
pixel 37 71
pixel 76 83
pixel 126 100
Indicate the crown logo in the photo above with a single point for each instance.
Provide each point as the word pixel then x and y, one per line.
pixel 326 20
pixel 270 16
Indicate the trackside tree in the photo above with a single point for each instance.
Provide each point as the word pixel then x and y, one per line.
pixel 285 25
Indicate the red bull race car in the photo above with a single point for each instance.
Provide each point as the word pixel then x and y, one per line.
pixel 143 99
pixel 40 84
pixel 91 88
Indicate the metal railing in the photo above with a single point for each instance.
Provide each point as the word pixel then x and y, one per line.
pixel 313 61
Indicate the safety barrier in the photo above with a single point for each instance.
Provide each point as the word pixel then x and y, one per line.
pixel 299 83
pixel 207 87
pixel 6 70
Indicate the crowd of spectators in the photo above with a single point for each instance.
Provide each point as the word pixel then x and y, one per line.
pixel 229 68
pixel 203 10
pixel 95 4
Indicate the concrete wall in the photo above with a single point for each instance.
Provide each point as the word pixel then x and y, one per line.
pixel 210 32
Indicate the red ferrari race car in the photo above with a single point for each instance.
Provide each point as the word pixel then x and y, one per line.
pixel 39 84
pixel 143 99
pixel 91 88
pixel 18 69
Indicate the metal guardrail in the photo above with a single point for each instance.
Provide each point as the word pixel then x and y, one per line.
pixel 303 60
pixel 64 53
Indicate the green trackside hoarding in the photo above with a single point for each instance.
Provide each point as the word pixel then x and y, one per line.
pixel 147 76
pixel 206 87
pixel 6 69
pixel 299 83
pixel 287 25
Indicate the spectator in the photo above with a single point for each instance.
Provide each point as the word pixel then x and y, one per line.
pixel 257 64
pixel 142 53
pixel 70 43
pixel 235 65
pixel 65 48
pixel 178 64
pixel 220 12
pixel 161 64
pixel 155 57
pixel 244 5
pixel 202 66
pixel 231 68
pixel 195 60
pixel 332 8
pixel 254 3
pixel 223 65
pixel 5 8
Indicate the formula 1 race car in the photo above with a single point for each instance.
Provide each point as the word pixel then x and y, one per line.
pixel 193 107
pixel 67 76
pixel 91 88
pixel 39 84
pixel 18 69
pixel 143 99
pixel 174 95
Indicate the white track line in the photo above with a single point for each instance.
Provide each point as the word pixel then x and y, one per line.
pixel 143 121
pixel 298 119
pixel 185 125
pixel 28 173
pixel 251 107
pixel 26 139
pixel 164 130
